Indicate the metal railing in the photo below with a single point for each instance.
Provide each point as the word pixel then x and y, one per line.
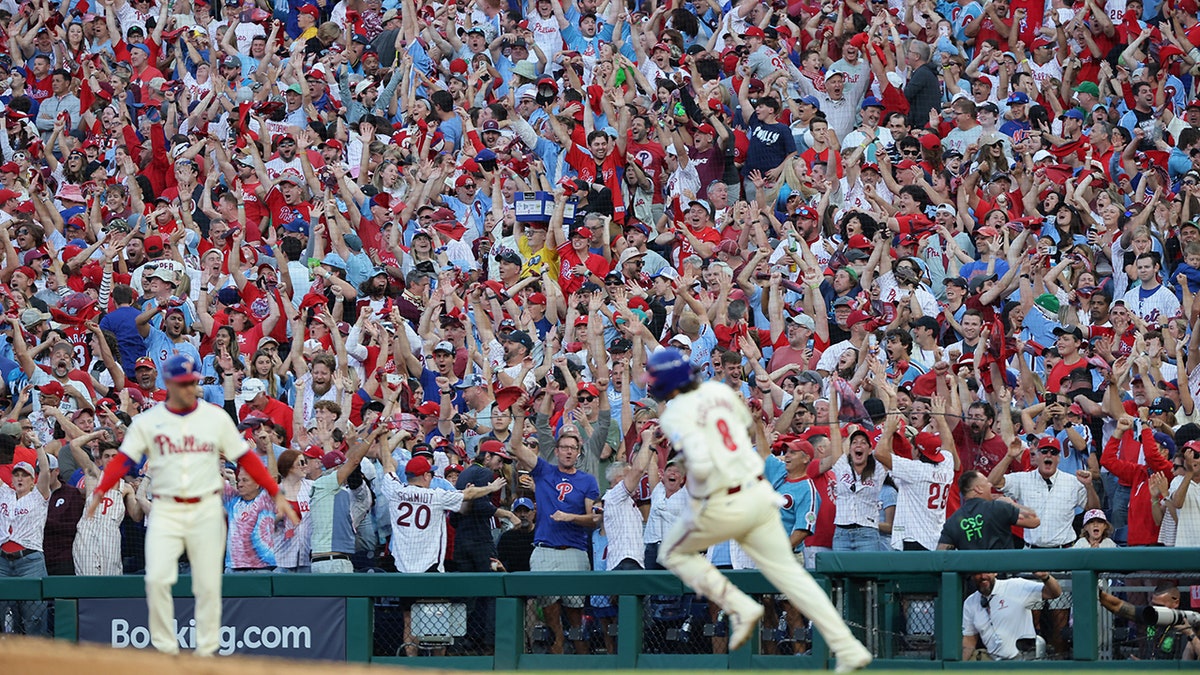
pixel 906 606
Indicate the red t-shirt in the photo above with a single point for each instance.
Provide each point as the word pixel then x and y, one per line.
pixel 1060 372
pixel 569 260
pixel 822 534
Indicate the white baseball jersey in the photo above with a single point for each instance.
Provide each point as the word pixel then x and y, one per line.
pixel 710 425
pixel 419 525
pixel 97 546
pixel 1160 305
pixel 184 451
pixel 923 489
pixel 25 517
pixel 6 497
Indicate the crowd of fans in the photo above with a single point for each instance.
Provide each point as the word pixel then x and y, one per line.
pixel 946 251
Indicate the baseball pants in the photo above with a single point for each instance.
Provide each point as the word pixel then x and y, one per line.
pixel 751 518
pixel 200 530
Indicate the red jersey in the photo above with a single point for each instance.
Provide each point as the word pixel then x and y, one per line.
pixel 280 213
pixel 38 90
pixel 651 157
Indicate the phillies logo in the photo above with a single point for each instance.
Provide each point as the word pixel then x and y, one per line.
pixel 788 502
pixel 564 489
pixel 189 445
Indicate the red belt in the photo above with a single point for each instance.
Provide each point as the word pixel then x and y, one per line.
pixel 187 500
pixel 738 488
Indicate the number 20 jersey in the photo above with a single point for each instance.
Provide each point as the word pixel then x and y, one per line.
pixel 710 425
pixel 418 523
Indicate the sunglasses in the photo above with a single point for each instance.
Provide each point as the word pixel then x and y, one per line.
pixel 586 399
pixel 910 153
pixel 1049 451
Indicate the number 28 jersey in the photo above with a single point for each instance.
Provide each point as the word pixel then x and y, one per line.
pixel 710 425
pixel 419 523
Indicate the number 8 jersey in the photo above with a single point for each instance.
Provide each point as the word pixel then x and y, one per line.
pixel 710 426
pixel 419 523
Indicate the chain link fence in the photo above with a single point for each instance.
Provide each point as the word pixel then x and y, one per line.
pixel 27 617
pixel 433 627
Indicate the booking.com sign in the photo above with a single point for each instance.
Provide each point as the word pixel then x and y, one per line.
pixel 315 627
pixel 252 637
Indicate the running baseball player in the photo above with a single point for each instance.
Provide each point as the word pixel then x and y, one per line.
pixel 185 441
pixel 710 425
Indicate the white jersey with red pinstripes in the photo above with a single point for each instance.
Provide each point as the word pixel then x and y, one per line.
pixel 419 525
pixel 710 425
pixel 922 491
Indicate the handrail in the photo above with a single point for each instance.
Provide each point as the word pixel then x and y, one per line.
pixel 852 571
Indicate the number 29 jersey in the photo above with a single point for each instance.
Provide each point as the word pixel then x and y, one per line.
pixel 710 425
pixel 418 523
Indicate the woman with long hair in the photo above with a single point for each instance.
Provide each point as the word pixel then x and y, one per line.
pixel 292 545
pixel 224 343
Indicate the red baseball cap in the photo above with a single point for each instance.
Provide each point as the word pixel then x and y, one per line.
pixel 52 388
pixel 495 447
pixel 145 362
pixel 418 466
pixel 754 31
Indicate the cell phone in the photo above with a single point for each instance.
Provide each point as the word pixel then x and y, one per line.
pixel 1049 398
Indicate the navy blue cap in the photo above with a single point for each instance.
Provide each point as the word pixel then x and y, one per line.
pixel 181 368
pixel 870 102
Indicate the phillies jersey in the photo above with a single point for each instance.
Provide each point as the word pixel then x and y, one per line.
pixel 924 490
pixel 419 529
pixel 710 425
pixel 25 517
pixel 80 339
pixel 184 451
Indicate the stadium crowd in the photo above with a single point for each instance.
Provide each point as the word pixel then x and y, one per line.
pixel 948 252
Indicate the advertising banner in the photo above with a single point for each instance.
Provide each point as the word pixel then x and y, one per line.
pixel 299 628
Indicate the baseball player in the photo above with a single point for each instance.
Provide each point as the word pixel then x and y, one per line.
pixel 419 531
pixel 710 425
pixel 184 441
pixel 97 547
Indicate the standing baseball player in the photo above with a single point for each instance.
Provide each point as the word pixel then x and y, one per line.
pixel 710 425
pixel 184 441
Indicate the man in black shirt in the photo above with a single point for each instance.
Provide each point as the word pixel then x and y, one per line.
pixel 473 543
pixel 516 545
pixel 923 90
pixel 983 523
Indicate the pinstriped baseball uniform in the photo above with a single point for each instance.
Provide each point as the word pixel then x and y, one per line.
pixel 97 547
